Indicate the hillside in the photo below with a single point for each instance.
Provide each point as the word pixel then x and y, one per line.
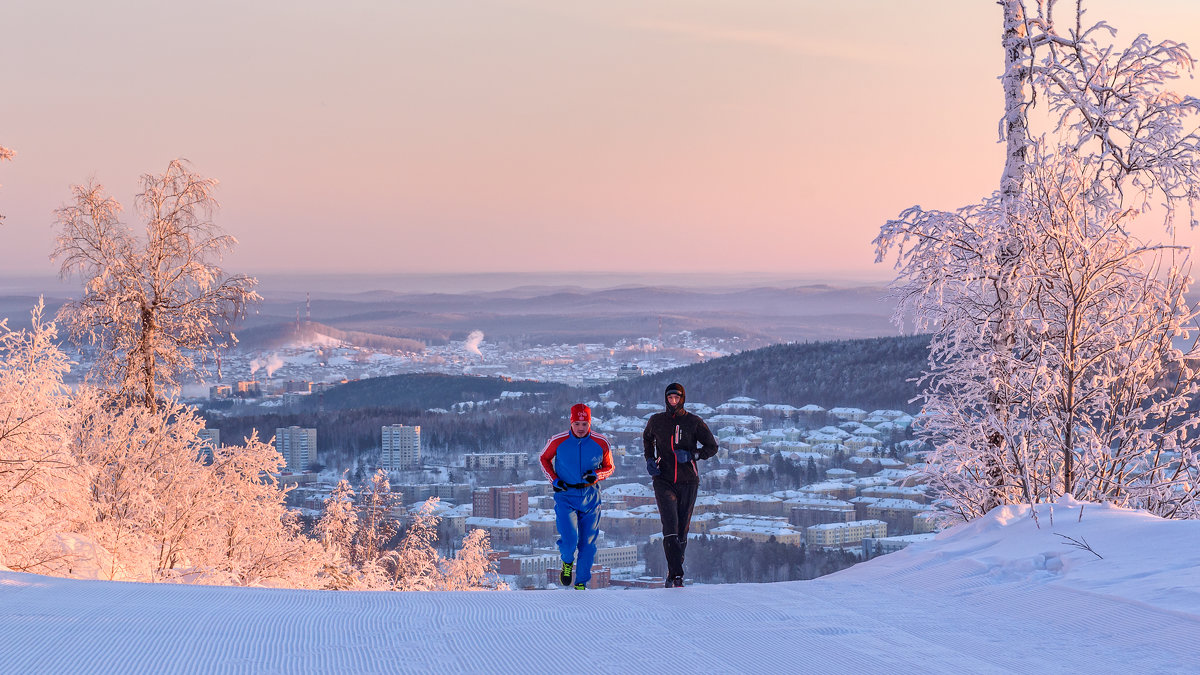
pixel 1000 594
pixel 872 372
pixel 869 373
pixel 426 390
pixel 286 333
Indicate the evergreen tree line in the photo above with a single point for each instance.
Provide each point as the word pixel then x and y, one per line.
pixel 871 373
pixel 424 390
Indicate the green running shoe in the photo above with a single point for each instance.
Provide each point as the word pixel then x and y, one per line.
pixel 580 587
pixel 565 576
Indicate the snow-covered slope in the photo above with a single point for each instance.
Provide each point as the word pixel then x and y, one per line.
pixel 1005 593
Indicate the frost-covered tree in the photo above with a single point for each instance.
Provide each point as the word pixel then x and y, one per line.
pixel 146 485
pixel 154 305
pixel 258 540
pixel 980 276
pixel 164 514
pixel 336 530
pixel 472 568
pixel 5 155
pixel 355 538
pixel 338 524
pixel 1099 378
pixel 376 524
pixel 92 489
pixel 1108 106
pixel 414 565
pixel 41 491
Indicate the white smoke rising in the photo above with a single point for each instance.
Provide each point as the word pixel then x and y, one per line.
pixel 472 343
pixel 271 364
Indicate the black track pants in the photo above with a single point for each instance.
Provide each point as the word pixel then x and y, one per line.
pixel 675 502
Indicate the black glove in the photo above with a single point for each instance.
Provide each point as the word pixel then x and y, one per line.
pixel 590 477
pixel 560 485
pixel 652 467
pixel 683 456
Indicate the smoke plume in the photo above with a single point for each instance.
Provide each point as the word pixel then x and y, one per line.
pixel 472 343
pixel 271 365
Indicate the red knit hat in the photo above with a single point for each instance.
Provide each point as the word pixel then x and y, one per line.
pixel 581 413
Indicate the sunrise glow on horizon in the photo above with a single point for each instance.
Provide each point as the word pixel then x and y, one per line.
pixel 521 135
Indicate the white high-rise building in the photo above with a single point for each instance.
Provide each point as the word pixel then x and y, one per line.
pixel 401 447
pixel 210 441
pixel 298 446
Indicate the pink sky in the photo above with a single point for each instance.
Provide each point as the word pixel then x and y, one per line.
pixel 520 135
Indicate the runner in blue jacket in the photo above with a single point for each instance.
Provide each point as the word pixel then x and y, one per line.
pixel 575 462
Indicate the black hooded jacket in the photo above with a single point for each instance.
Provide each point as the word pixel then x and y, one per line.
pixel 673 430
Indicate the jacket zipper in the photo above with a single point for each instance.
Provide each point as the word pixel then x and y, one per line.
pixel 674 461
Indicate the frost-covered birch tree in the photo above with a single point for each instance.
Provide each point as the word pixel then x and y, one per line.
pixel 153 305
pixel 982 276
pixel 1099 376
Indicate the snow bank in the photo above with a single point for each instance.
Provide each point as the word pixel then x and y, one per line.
pixel 1134 555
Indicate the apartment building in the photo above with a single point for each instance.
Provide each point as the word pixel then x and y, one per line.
pixel 844 534
pixel 298 445
pixel 529 565
pixel 807 512
pixel 210 440
pixel 502 531
pixel 495 460
pixel 500 502
pixel 401 447
pixel 617 556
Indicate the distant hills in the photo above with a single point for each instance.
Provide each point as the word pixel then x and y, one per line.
pixel 545 314
pixel 541 315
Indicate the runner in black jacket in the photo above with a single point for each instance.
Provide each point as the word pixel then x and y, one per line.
pixel 673 441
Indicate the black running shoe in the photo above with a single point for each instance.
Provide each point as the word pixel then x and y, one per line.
pixel 565 577
pixel 581 587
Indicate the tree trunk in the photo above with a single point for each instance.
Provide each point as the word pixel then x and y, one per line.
pixel 1015 81
pixel 1016 134
pixel 147 348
